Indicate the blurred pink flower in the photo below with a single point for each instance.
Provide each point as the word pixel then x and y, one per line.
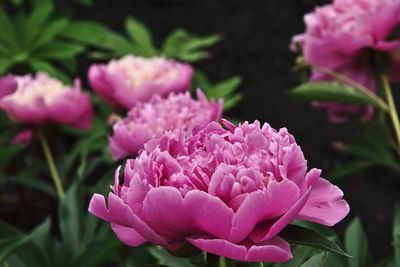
pixel 41 99
pixel 148 120
pixel 23 137
pixel 341 36
pixel 130 79
pixel 225 191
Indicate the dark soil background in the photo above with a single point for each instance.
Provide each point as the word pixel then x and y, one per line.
pixel 255 46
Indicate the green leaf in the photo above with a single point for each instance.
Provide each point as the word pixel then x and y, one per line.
pixel 336 92
pixel 69 214
pixel 299 235
pixel 8 33
pixel 87 3
pixel 99 36
pixel 226 87
pixel 300 255
pixel 185 46
pixel 59 50
pixel 6 154
pixel 5 64
pixel 165 258
pixel 140 35
pixel 42 65
pixel 357 245
pixel 10 245
pixel 396 235
pixel 387 262
pixel 317 260
pixel 349 168
pixel 40 15
pixel 98 251
pixel 50 32
pixel 17 2
pixel 34 183
pixel 230 102
pixel 374 145
pixel 41 236
pixel 8 231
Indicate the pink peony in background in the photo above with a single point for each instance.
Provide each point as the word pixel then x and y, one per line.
pixel 225 191
pixel 40 99
pixel 341 37
pixel 148 120
pixel 130 79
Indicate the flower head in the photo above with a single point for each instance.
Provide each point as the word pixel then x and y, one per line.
pixel 130 79
pixel 148 120
pixel 340 36
pixel 225 191
pixel 40 99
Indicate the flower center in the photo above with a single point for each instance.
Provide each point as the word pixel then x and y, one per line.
pixel 138 71
pixel 29 90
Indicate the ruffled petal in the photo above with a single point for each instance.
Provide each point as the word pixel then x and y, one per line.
pixel 325 204
pixel 273 250
pixel 171 214
pixel 261 206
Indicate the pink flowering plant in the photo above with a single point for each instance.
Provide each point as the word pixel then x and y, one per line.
pixel 149 120
pixel 229 192
pixel 143 171
pixel 353 62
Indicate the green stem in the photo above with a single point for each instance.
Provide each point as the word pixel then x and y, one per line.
pixel 222 262
pixel 52 166
pixel 392 107
pixel 212 260
pixel 261 264
pixel 344 79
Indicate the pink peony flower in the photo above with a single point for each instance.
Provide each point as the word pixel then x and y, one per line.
pixel 149 120
pixel 41 99
pixel 8 85
pixel 130 79
pixel 341 36
pixel 225 191
pixel 23 137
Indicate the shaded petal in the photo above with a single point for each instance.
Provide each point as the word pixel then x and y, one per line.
pixel 261 206
pixel 119 213
pixel 128 235
pixel 171 214
pixel 325 204
pixel 273 250
pixel 8 85
pixel 267 230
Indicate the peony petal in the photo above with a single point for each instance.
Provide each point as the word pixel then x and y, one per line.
pixel 268 230
pixel 128 235
pixel 119 213
pixel 273 250
pixel 8 85
pixel 166 210
pixel 325 204
pixel 209 214
pixel 261 206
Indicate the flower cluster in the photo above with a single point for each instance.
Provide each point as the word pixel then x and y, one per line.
pixel 130 79
pixel 225 191
pixel 342 36
pixel 40 99
pixel 149 120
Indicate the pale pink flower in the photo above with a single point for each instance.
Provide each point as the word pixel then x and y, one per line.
pixel 150 119
pixel 341 36
pixel 126 81
pixel 40 99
